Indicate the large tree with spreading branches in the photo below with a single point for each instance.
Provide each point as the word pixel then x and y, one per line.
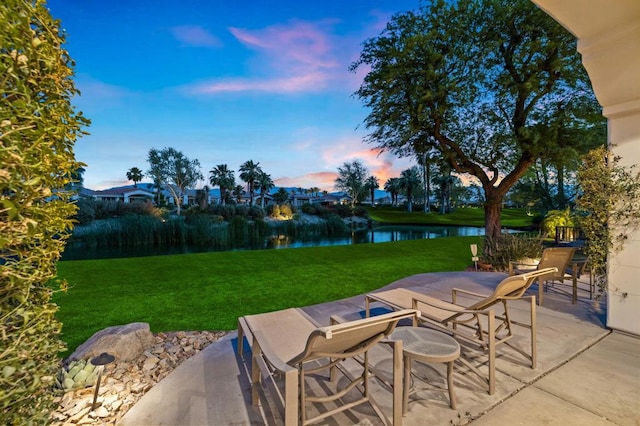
pixel 174 171
pixel 477 80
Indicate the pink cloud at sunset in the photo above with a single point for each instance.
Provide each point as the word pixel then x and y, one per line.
pixel 323 180
pixel 294 57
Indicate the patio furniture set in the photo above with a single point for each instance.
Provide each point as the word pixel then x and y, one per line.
pixel 288 346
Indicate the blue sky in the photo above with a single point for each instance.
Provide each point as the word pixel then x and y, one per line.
pixel 224 82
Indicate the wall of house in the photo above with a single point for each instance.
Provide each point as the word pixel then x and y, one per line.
pixel 608 35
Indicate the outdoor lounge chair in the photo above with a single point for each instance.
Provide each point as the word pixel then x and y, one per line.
pixel 553 257
pixel 475 323
pixel 289 344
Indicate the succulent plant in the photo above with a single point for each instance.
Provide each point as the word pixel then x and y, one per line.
pixel 77 374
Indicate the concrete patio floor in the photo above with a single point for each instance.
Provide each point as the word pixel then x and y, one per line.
pixel 586 374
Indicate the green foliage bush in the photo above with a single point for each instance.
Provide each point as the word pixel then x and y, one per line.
pixel 100 209
pixel 557 218
pixel 609 208
pixel 286 210
pixel 86 211
pixel 38 128
pixel 273 210
pixel 507 247
pixel 256 213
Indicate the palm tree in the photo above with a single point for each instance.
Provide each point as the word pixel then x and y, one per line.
pixel 372 184
pixel 410 179
pixel 281 196
pixel 314 191
pixel 135 174
pixel 249 172
pixel 426 157
pixel 237 192
pixel 264 183
pixel 223 177
pixel 392 186
pixel 202 197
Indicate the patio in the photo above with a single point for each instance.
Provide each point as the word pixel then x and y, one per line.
pixel 585 373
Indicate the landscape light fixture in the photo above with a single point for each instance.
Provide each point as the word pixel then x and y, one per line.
pixel 474 255
pixel 100 361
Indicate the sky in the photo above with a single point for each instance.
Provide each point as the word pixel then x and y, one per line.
pixel 224 82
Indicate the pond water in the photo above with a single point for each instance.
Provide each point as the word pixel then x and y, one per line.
pixel 379 234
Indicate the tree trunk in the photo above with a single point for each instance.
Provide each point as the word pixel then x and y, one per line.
pixel 428 188
pixel 492 211
pixel 561 202
pixel 424 182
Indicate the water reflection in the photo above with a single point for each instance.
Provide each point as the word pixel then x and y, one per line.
pixel 376 235
pixel 381 234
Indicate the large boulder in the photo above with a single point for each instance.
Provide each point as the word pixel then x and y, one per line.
pixel 125 342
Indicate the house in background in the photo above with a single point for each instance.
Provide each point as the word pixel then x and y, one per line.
pixel 126 194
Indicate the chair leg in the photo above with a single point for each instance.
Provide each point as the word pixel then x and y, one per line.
pixel 301 394
pixel 540 291
pixel 294 399
pixel 406 384
pixel 397 383
pixel 492 352
pixel 574 278
pixel 452 396
pixel 534 339
pixel 255 373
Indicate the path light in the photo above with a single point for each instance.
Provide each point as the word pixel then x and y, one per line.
pixel 100 361
pixel 474 254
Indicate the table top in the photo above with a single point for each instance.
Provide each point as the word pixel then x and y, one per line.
pixel 426 344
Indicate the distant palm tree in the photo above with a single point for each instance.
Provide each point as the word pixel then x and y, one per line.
pixel 237 192
pixel 202 197
pixel 224 178
pixel 410 179
pixel 249 172
pixel 265 184
pixel 426 157
pixel 371 183
pixel 281 196
pixel 314 191
pixel 392 186
pixel 135 174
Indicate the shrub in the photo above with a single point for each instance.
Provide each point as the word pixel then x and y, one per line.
pixel 86 212
pixel 38 129
pixel 256 212
pixel 309 208
pixel 286 210
pixel 609 205
pixel 242 210
pixel 557 218
pixel 360 212
pixel 342 210
pixel 273 210
pixel 510 247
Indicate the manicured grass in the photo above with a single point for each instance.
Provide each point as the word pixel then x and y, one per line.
pixel 468 216
pixel 209 291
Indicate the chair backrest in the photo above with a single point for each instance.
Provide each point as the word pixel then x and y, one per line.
pixel 511 287
pixel 556 257
pixel 353 336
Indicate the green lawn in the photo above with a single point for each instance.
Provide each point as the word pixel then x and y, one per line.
pixel 468 216
pixel 208 291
